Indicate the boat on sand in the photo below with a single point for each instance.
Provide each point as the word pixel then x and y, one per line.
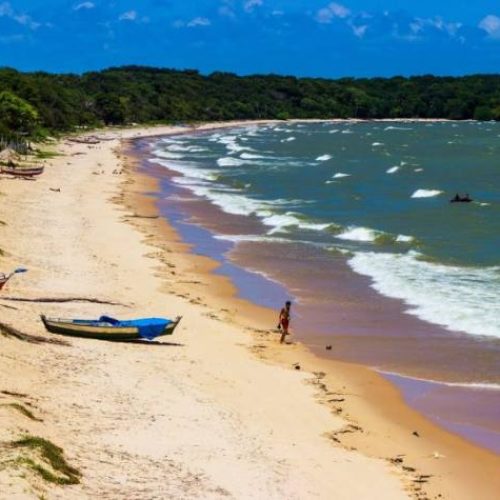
pixel 22 171
pixel 106 328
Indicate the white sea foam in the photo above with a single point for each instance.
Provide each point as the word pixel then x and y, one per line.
pixel 258 238
pixel 169 140
pixel 324 158
pixel 353 233
pixel 347 131
pixel 392 127
pixel 188 149
pixel 231 143
pixel 480 386
pixel 189 170
pixel 233 147
pixel 426 193
pixel 403 238
pixel 340 175
pixel 250 156
pixel 458 298
pixel 377 144
pixel 419 170
pixel 229 162
pixel 281 222
pixel 161 153
pixel 230 201
pixel 288 139
pixel 334 131
pixel 392 170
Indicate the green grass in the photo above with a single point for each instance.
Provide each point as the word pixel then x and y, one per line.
pixel 46 155
pixel 53 455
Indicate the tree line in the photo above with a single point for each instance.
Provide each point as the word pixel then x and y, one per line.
pixel 41 103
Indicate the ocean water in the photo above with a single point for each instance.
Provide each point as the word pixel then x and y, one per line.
pixel 376 191
pixel 354 221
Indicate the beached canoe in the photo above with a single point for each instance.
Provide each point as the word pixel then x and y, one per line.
pixel 84 140
pixel 23 171
pixel 106 328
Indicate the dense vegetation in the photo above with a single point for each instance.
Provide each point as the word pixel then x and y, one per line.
pixel 40 101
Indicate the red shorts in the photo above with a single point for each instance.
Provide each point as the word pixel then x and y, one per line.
pixel 284 324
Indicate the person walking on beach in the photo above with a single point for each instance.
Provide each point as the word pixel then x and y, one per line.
pixel 284 321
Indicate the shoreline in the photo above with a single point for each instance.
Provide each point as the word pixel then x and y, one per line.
pixel 198 416
pixel 442 438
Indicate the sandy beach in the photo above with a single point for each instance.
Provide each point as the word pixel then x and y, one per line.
pixel 219 409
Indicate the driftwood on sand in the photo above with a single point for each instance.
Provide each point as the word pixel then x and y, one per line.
pixel 10 331
pixel 139 216
pixel 57 300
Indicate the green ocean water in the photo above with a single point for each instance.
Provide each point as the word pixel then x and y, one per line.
pixel 376 191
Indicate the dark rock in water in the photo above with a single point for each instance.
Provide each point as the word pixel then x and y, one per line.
pixel 328 347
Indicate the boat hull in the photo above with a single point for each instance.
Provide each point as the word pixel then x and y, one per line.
pixel 112 333
pixel 23 172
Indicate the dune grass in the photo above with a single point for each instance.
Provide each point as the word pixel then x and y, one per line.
pixel 46 155
pixel 62 473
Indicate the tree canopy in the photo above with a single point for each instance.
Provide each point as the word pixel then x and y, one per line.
pixel 134 94
pixel 16 114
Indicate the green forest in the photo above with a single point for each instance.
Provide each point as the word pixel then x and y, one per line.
pixel 39 103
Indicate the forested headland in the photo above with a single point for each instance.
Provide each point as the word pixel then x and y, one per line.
pixel 39 103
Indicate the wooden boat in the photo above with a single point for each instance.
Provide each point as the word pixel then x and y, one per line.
pixel 461 199
pixel 106 328
pixel 22 171
pixel 84 140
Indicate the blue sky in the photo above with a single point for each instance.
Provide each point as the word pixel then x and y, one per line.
pixel 298 37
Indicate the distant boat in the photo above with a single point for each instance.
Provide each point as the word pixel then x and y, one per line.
pixel 461 199
pixel 106 328
pixel 22 171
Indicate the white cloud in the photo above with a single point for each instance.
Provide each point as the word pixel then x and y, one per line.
pixel 250 5
pixel 84 5
pixel 491 24
pixel 332 11
pixel 359 31
pixel 198 21
pixel 130 15
pixel 6 10
pixel 418 25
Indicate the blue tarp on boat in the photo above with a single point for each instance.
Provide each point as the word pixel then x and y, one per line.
pixel 149 328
